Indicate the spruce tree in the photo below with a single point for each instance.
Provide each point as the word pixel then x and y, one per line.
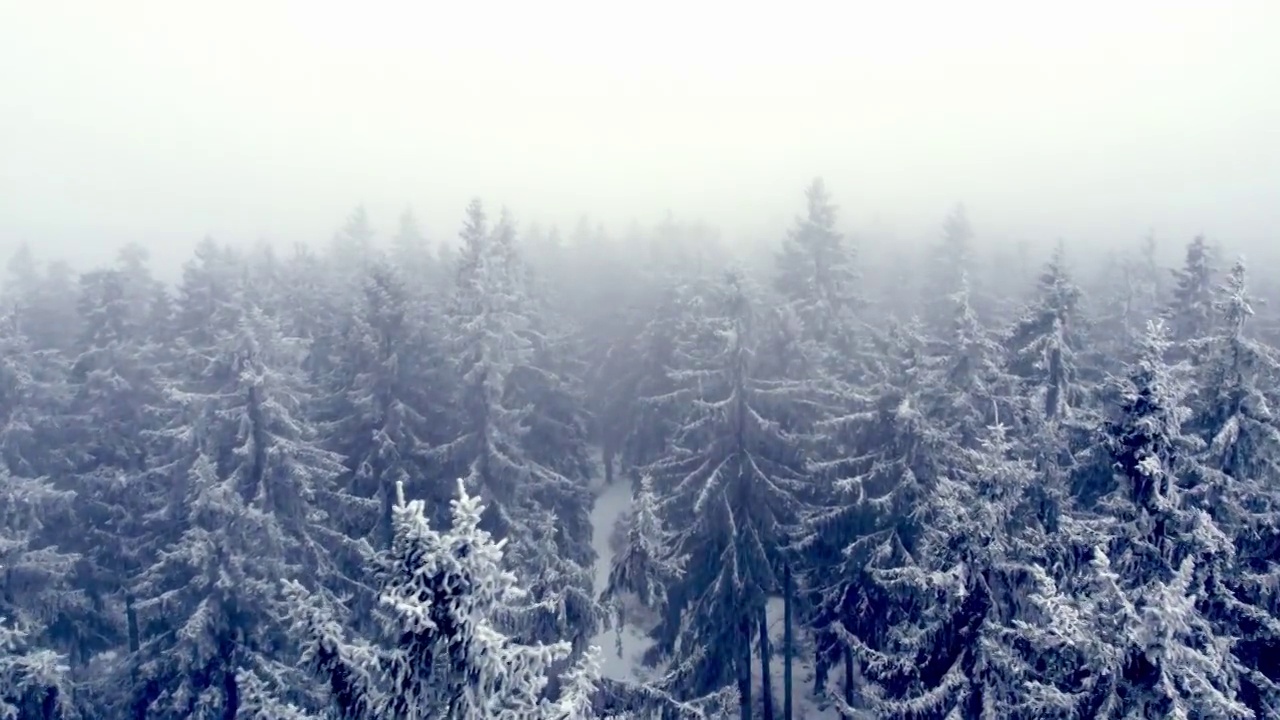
pixel 1190 312
pixel 505 396
pixel 732 482
pixel 447 608
pixel 1231 414
pixel 380 419
pixel 35 678
pixel 1045 344
pixel 1156 565
pixel 816 275
pixel 253 500
pixel 951 270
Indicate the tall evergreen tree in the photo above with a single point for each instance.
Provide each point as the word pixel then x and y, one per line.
pixel 413 257
pixel 494 338
pixel 732 483
pixel 254 501
pixel 817 276
pixel 380 418
pixel 352 247
pixel 42 300
pixel 1190 313
pixel 1231 414
pixel 951 269
pixel 1046 341
pixel 35 678
pixel 1154 571
pixel 111 422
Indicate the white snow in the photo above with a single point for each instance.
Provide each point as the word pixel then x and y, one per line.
pixel 611 504
pixel 804 706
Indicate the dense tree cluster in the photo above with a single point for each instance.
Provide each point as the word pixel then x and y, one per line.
pixel 357 482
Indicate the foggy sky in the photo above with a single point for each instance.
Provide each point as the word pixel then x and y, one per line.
pixel 165 121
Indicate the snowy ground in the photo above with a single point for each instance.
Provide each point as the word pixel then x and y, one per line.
pixel 612 502
pixel 804 705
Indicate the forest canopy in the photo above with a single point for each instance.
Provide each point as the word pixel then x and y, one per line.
pixel 356 480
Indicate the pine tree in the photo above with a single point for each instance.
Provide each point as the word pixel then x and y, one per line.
pixel 253 501
pixel 577 698
pixel 352 248
pixel 1232 401
pixel 640 408
pixel 557 430
pixel 868 459
pixel 146 297
pixel 964 369
pixel 646 566
pixel 413 258
pixel 487 338
pixel 381 416
pixel 42 301
pixel 1046 341
pixel 448 608
pixel 912 567
pixel 35 679
pixel 733 481
pixel 209 606
pixel 817 276
pixel 1232 417
pixel 115 390
pixel 951 271
pixel 33 397
pixel 504 398
pixel 22 287
pixel 1190 313
pixel 314 313
pixel 1155 567
pixel 1130 289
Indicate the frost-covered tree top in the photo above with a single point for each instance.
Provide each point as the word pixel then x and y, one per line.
pixel 1190 310
pixel 449 610
pixel 816 270
pixel 950 269
pixel 1072 518
pixel 1044 344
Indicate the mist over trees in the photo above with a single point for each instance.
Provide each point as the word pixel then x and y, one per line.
pixel 355 480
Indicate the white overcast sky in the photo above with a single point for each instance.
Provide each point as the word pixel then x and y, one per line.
pixel 246 119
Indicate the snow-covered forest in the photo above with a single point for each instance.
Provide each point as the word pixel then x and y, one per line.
pixel 643 474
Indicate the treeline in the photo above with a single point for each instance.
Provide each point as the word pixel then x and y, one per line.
pixel 276 490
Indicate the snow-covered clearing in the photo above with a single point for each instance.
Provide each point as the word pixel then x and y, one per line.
pixel 612 503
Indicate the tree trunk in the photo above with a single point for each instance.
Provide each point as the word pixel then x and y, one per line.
pixel 744 670
pixel 766 677
pixel 788 643
pixel 848 676
pixel 386 510
pixel 608 452
pixel 131 619
pixel 49 704
pixel 230 685
pixel 231 689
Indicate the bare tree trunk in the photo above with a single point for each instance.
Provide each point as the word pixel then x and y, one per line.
pixel 788 643
pixel 848 676
pixel 766 679
pixel 49 704
pixel 744 670
pixel 230 685
pixel 131 619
